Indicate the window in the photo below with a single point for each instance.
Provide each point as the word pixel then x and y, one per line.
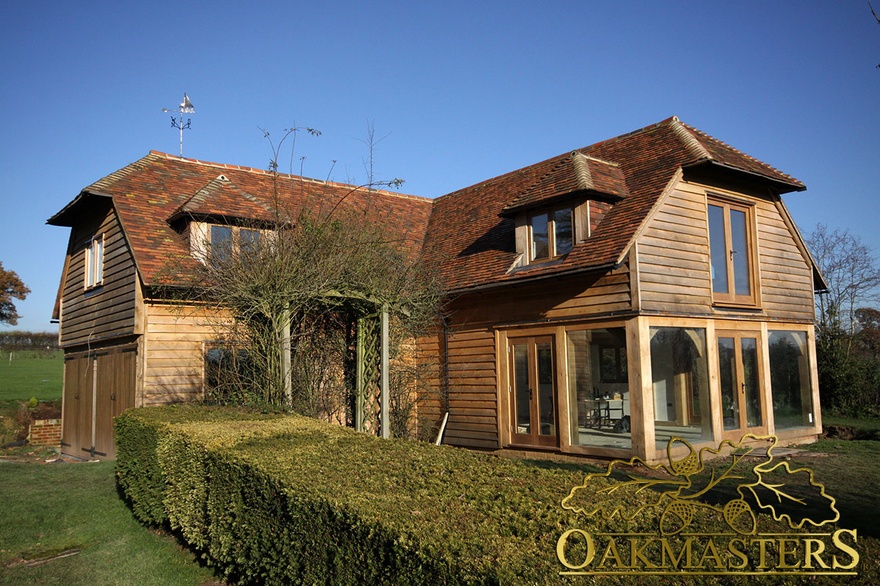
pixel 552 234
pixel 612 364
pixel 598 388
pixel 229 373
pixel 790 382
pixel 680 381
pixel 731 244
pixel 227 241
pixel 95 262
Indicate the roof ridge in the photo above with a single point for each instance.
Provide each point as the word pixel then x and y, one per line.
pixel 160 154
pixel 636 132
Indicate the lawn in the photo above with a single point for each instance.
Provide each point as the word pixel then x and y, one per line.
pixel 56 509
pixel 31 373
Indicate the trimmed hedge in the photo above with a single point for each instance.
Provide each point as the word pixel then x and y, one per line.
pixel 280 499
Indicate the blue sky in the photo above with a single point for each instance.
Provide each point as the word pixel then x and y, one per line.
pixel 460 91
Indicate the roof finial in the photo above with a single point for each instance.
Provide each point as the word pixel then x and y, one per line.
pixel 186 107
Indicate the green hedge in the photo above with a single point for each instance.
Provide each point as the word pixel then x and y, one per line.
pixel 272 499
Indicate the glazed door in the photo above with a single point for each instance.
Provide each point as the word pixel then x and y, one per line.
pixel 532 391
pixel 739 375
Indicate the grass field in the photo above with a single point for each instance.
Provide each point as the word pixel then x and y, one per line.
pixel 56 508
pixel 31 374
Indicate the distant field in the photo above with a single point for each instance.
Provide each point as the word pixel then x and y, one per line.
pixel 31 373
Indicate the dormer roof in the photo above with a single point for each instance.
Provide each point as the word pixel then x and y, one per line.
pixel 577 175
pixel 471 232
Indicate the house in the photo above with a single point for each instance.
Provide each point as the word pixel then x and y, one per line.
pixel 129 340
pixel 600 302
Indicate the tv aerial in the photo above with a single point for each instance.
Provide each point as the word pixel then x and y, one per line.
pixel 186 107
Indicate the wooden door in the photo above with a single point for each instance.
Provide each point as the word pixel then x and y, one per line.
pixel 98 386
pixel 532 391
pixel 740 376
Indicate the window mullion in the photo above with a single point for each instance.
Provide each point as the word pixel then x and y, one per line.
pixel 728 244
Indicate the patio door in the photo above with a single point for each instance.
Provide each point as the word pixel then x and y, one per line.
pixel 532 391
pixel 739 375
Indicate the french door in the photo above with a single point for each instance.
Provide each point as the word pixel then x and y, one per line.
pixel 739 375
pixel 532 391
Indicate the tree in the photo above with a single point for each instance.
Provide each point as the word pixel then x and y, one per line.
pixel 11 288
pixel 851 273
pixel 847 376
pixel 301 294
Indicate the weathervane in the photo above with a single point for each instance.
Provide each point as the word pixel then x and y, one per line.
pixel 186 107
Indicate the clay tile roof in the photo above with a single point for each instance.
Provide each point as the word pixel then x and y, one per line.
pixel 158 187
pixel 221 199
pixel 467 234
pixel 577 174
pixel 471 232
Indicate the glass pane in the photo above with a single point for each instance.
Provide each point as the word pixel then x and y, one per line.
pixel 600 409
pixel 221 243
pixel 563 231
pixel 718 250
pixel 546 411
pixel 250 241
pixel 750 382
pixel 540 242
pixel 740 243
pixel 521 388
pixel 99 260
pixel 727 376
pixel 790 381
pixel 680 378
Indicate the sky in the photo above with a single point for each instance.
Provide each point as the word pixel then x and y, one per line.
pixel 456 92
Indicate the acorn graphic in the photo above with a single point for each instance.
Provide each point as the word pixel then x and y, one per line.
pixel 739 516
pixel 676 516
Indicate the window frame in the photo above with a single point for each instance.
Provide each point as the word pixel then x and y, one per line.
pixel 552 236
pixel 94 262
pixel 731 298
pixel 235 239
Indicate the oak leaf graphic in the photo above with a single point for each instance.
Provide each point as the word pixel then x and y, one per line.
pixel 737 476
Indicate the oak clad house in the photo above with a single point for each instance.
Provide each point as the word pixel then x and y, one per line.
pixel 599 302
pixel 127 342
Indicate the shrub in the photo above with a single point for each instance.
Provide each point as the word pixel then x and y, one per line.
pixel 273 498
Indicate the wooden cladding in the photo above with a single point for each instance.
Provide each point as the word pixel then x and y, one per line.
pixel 174 351
pixel 105 309
pixel 674 260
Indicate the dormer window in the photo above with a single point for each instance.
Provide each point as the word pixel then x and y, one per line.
pixel 232 240
pixel 551 234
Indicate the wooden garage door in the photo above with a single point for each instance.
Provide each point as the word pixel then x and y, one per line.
pixel 97 387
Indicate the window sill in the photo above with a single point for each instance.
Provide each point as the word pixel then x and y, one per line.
pixel 92 291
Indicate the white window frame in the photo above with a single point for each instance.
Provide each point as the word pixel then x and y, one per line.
pixel 94 262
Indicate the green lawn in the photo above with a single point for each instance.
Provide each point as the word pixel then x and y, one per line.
pixel 56 508
pixel 31 374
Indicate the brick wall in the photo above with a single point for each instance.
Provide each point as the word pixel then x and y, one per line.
pixel 45 432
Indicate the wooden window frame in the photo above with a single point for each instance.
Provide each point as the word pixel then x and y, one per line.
pixel 235 238
pixel 731 298
pixel 94 263
pixel 552 252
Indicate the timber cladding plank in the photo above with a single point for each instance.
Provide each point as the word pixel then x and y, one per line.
pixel 109 310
